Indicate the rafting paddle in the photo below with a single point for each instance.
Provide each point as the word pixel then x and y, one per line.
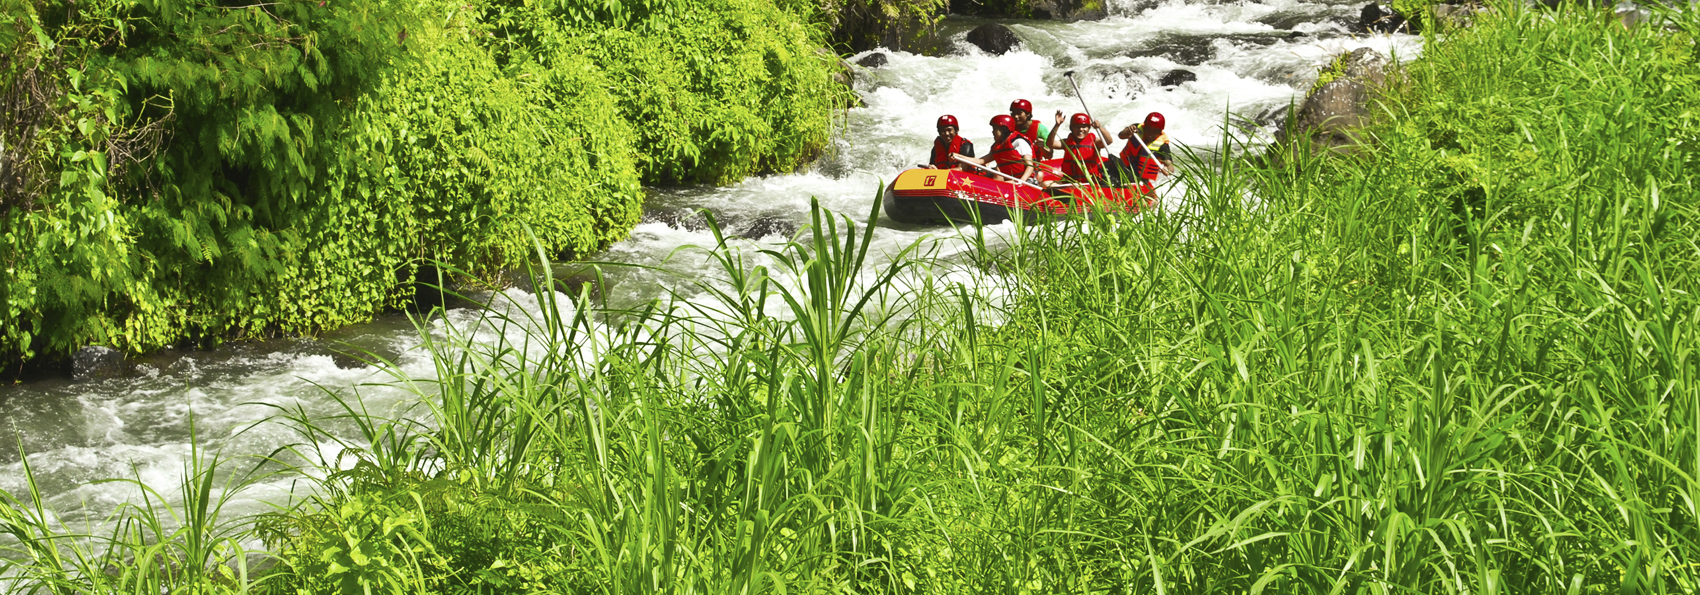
pixel 1069 74
pixel 1010 177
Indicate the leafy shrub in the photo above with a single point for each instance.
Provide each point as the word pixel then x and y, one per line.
pixel 180 171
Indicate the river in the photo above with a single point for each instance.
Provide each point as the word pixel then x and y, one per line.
pixel 1251 59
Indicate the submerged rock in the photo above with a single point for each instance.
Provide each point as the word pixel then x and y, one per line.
pixel 1190 51
pixel 1176 77
pixel 94 362
pixel 762 227
pixel 994 39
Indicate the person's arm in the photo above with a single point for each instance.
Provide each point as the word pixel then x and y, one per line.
pixel 1103 133
pixel 968 158
pixel 1127 133
pixel 1051 139
pixel 1164 157
pixel 967 151
pixel 1026 158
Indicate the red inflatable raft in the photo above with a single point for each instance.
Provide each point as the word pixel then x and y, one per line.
pixel 929 196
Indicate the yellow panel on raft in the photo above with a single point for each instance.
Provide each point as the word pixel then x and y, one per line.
pixel 922 179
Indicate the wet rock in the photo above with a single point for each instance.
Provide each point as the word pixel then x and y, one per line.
pixel 1285 20
pixel 994 39
pixel 347 361
pixel 762 227
pixel 1379 18
pixel 1176 77
pixel 1275 116
pixel 842 76
pixel 874 60
pixel 1334 110
pixel 95 362
pixel 1190 51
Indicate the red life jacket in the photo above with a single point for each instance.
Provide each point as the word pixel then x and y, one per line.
pixel 1008 160
pixel 1146 165
pixel 1082 154
pixel 942 152
pixel 1032 134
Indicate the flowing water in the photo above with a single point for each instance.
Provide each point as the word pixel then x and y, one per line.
pixel 1251 59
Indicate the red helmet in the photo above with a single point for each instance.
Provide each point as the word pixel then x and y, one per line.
pixel 948 121
pixel 1023 105
pixel 1081 119
pixel 1154 121
pixel 1004 121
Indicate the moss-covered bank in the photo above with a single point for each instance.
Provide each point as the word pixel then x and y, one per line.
pixel 177 171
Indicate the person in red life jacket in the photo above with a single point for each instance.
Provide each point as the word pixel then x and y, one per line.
pixel 1081 161
pixel 1010 152
pixel 1146 163
pixel 1021 110
pixel 949 143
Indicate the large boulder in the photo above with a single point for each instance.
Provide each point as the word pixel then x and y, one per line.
pixel 994 39
pixel 94 362
pixel 1378 18
pixel 1339 106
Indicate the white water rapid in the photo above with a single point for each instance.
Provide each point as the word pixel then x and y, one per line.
pixel 1251 59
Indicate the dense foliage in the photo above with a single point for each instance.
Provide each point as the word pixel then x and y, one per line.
pixel 1460 362
pixel 178 170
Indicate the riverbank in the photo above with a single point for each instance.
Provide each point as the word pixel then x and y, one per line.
pixel 1348 382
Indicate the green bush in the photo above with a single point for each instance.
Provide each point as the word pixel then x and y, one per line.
pixel 200 172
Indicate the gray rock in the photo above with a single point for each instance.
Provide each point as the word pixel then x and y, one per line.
pixel 1190 51
pixel 1176 77
pixel 762 227
pixel 874 60
pixel 681 219
pixel 1333 111
pixel 1382 19
pixel 94 362
pixel 994 39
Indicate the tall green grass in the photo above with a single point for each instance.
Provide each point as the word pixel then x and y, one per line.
pixel 1461 362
